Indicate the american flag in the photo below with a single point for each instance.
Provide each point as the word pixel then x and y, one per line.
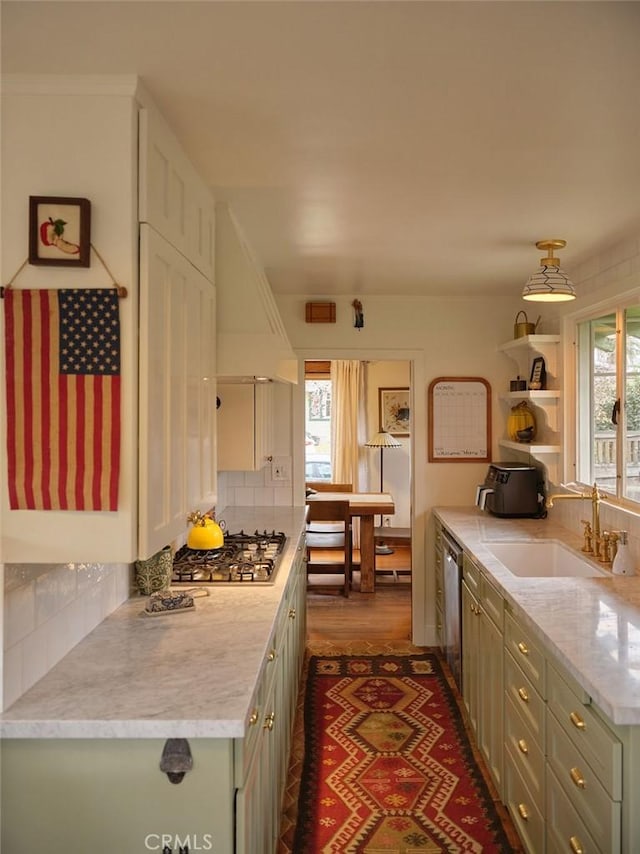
pixel 62 352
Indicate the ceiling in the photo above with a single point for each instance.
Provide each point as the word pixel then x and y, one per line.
pixel 382 147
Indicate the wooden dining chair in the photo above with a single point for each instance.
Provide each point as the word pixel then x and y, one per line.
pixel 329 551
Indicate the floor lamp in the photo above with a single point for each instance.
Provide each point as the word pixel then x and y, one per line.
pixel 383 440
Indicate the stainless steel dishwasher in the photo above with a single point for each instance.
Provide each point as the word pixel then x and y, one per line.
pixel 452 571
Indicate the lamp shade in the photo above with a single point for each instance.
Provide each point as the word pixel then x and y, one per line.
pixel 383 440
pixel 549 283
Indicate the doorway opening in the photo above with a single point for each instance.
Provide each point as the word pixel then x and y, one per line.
pixel 383 408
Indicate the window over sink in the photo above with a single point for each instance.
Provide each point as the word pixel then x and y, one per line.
pixel 608 402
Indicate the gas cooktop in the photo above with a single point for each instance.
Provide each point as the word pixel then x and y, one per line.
pixel 243 559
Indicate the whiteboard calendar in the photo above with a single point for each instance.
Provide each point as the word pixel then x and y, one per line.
pixel 459 419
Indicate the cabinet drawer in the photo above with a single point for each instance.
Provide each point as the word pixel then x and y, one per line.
pixel 526 650
pixel 525 815
pixel 524 752
pixel 492 603
pixel 566 831
pixel 471 575
pixel 525 698
pixel 592 738
pixel 597 810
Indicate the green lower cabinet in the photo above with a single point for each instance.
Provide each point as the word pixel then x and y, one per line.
pixel 109 795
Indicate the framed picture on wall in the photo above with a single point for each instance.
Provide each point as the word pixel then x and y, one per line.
pixel 395 411
pixel 59 231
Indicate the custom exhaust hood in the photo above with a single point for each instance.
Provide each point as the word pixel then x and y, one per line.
pixel 251 339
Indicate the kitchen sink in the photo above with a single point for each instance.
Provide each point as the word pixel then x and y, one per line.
pixel 542 559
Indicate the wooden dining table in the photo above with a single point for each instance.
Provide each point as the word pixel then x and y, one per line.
pixel 365 505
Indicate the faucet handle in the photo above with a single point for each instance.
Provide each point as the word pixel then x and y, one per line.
pixel 588 537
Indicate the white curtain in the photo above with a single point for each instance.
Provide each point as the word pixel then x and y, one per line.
pixel 348 424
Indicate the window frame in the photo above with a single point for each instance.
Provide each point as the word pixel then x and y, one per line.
pixel 574 438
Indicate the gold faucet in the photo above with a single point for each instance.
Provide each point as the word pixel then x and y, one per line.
pixel 594 532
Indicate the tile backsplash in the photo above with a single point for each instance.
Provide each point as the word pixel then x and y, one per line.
pixel 48 609
pixel 255 488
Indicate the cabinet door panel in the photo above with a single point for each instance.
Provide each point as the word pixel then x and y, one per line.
pixel 470 654
pixel 491 698
pixel 172 402
pixel 172 197
pixel 236 429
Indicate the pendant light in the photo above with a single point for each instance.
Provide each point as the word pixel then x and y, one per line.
pixel 549 283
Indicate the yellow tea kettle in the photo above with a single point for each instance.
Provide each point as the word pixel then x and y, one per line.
pixel 205 532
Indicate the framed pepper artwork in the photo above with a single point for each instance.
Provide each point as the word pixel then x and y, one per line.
pixel 395 411
pixel 59 231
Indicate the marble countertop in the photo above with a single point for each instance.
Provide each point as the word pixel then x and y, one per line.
pixel 189 674
pixel 592 625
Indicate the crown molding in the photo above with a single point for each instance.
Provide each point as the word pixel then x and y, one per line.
pixel 70 84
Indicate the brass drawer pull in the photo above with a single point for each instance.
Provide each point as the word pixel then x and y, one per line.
pixel 524 812
pixel 524 696
pixel 523 648
pixel 577 778
pixel 269 720
pixel 253 720
pixel 272 655
pixel 523 747
pixel 577 721
pixel 576 845
pixel 292 613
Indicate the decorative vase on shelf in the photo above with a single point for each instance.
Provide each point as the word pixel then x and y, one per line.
pixel 521 421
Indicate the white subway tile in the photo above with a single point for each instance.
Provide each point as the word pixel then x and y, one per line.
pixel 12 675
pixel 244 496
pixel 282 496
pixel 19 613
pixel 255 478
pixel 34 657
pixel 54 591
pixel 263 496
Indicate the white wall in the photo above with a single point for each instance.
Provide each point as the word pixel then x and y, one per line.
pixel 69 139
pixel 397 461
pixel 57 143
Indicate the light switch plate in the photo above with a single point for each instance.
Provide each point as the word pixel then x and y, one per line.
pixel 281 469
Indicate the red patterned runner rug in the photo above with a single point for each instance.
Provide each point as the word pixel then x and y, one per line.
pixel 388 768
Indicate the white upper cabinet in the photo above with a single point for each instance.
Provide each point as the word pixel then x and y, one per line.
pixel 173 198
pixel 177 459
pixel 245 426
pixel 177 392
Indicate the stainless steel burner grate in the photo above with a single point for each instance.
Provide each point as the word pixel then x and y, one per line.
pixel 244 558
